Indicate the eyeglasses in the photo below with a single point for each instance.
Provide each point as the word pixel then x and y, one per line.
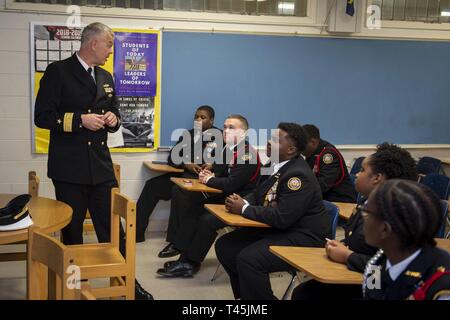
pixel 364 212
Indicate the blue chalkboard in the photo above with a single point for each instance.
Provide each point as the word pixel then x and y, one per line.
pixel 356 91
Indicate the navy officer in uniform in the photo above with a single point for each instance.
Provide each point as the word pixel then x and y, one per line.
pixel 238 172
pixel 77 103
pixel 329 166
pixel 290 202
pixel 160 187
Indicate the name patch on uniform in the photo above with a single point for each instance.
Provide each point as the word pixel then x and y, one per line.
pixel 413 274
pixel 328 158
pixel 294 184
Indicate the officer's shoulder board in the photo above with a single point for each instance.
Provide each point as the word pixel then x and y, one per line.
pixel 294 183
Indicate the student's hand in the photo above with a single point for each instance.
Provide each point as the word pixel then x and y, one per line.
pixel 192 167
pixel 204 175
pixel 234 204
pixel 110 119
pixel 92 121
pixel 337 251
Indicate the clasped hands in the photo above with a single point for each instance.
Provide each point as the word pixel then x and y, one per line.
pixel 96 122
pixel 337 251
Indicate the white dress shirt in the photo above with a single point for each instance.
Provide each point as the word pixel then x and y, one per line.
pixel 86 66
pixel 276 168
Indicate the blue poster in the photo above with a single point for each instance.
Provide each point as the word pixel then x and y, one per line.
pixel 135 64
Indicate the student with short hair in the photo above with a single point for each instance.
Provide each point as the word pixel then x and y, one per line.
pixel 388 162
pixel 290 202
pixel 238 173
pixel 402 218
pixel 329 167
pixel 160 187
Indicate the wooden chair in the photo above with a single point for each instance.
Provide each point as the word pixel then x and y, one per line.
pixel 33 190
pixel 86 292
pixel 97 260
pixel 33 184
pixel 88 225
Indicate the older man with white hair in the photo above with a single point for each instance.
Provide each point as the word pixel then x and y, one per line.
pixel 77 103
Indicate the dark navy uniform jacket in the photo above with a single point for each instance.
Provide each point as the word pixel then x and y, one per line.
pixel 291 201
pixel 239 171
pixel 354 239
pixel 76 154
pixel 331 171
pixel 427 277
pixel 205 147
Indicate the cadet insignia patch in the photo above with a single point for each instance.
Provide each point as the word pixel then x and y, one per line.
pixel 294 184
pixel 246 157
pixel 328 158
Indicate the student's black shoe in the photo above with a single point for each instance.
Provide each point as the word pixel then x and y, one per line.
pixel 140 293
pixel 168 251
pixel 169 263
pixel 179 269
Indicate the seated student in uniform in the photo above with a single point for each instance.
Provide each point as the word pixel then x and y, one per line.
pixel 388 162
pixel 402 218
pixel 329 166
pixel 290 201
pixel 160 187
pixel 197 229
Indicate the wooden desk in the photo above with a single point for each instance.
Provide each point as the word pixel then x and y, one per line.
pixel 315 263
pixel 234 220
pixel 443 244
pixel 345 209
pixel 195 186
pixel 49 215
pixel 162 167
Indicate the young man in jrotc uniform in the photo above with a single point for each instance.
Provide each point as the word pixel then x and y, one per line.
pixel 77 103
pixel 290 201
pixel 200 139
pixel 238 173
pixel 329 167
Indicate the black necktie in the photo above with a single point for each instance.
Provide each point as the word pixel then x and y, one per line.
pixel 89 70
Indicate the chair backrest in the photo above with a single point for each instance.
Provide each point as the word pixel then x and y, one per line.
pixel 116 168
pixel 333 211
pixel 439 183
pixel 428 165
pixel 86 292
pixel 441 231
pixel 125 208
pixel 356 166
pixel 33 184
pixel 44 250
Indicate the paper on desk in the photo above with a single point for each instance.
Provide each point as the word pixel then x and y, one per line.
pixel 115 139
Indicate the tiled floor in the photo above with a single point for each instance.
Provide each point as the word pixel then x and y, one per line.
pixel 13 281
